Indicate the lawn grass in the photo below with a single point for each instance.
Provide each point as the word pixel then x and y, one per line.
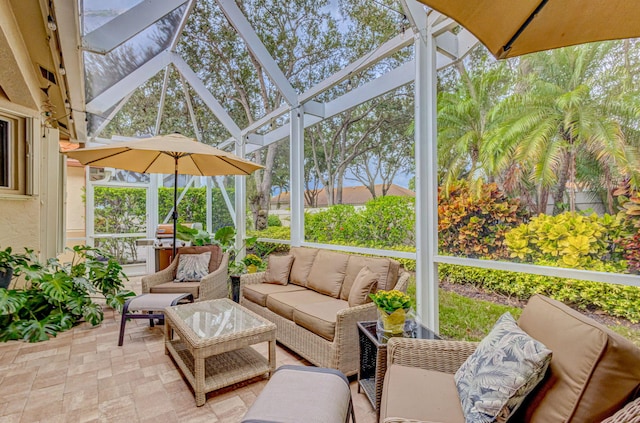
pixel 467 319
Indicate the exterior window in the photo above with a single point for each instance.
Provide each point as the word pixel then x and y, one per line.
pixel 12 155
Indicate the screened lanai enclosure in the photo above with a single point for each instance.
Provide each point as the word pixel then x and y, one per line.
pixel 274 82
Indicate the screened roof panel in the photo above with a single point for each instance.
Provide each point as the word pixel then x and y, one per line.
pixel 96 13
pixel 103 71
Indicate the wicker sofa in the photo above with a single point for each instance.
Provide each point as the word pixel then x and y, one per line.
pixel 594 373
pixel 312 311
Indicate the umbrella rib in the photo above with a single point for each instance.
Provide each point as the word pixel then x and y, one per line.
pixel 524 26
pixel 151 164
pixel 231 164
pixel 107 157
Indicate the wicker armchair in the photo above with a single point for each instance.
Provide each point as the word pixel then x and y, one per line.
pixel 448 356
pixel 212 286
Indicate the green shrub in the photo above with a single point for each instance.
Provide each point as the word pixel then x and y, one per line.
pixel 274 220
pixel 616 300
pixel 568 240
pixel 274 232
pixel 382 222
pixel 473 224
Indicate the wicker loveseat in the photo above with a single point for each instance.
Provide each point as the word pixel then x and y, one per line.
pixel 312 311
pixel 594 373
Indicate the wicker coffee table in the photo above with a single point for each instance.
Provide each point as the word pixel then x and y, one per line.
pixel 210 342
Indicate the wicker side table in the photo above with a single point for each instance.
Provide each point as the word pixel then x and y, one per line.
pixel 373 359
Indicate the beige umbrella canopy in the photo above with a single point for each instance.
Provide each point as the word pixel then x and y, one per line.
pixel 511 28
pixel 167 154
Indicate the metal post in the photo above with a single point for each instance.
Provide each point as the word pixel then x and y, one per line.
pixel 241 206
pixel 296 166
pixel 175 206
pixel 426 176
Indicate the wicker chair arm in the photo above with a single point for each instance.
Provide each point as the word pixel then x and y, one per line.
pixel 214 285
pixel 163 276
pixel 251 278
pixel 403 282
pixel 438 355
pixel 629 414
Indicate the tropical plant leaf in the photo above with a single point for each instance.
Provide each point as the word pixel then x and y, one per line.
pixel 12 332
pixel 57 288
pixel 39 330
pixel 63 320
pixel 11 300
pixel 93 314
pixel 116 301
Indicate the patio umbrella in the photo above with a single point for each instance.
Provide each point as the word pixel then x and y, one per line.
pixel 167 154
pixel 514 27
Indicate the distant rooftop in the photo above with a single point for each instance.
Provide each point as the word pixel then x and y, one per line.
pixel 355 196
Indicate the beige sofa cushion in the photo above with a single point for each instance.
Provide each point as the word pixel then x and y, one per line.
pixel 258 292
pixel 593 371
pixel 284 303
pixel 319 318
pixel 366 282
pixel 327 273
pixel 420 395
pixel 192 288
pixel 302 262
pixel 387 270
pixel 278 269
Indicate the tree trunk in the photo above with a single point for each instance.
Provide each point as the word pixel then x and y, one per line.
pixel 561 187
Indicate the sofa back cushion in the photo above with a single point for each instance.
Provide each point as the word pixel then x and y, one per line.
pixel 386 269
pixel 593 371
pixel 216 254
pixel 327 273
pixel 302 262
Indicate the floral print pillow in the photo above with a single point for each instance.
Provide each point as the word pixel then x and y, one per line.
pixel 193 267
pixel 507 365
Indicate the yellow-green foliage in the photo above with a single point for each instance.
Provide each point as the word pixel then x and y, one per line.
pixel 568 239
pixel 616 300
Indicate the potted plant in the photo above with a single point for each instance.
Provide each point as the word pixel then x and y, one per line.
pixel 393 307
pixel 252 262
pixel 10 265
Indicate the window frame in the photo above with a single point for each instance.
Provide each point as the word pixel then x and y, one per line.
pixel 15 159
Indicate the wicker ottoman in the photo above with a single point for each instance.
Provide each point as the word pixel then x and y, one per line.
pixel 303 394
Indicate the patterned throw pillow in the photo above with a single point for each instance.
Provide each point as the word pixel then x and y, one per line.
pixel 192 267
pixel 496 378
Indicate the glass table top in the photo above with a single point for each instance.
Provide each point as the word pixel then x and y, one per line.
pixel 209 319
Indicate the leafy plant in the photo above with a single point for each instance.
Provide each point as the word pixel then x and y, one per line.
pixel 252 260
pixel 13 262
pixel 615 300
pixel 273 220
pixel 391 301
pixel 59 295
pixel 568 239
pixel 473 224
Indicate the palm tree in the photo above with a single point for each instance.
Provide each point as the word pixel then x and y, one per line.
pixel 465 120
pixel 558 120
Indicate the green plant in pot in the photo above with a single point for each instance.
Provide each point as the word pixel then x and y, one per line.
pixel 60 295
pixel 10 265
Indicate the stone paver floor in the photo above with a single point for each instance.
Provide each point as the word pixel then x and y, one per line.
pixel 83 376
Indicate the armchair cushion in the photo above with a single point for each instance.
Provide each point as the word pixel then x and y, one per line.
pixel 192 288
pixel 278 269
pixel 507 365
pixel 192 267
pixel 414 394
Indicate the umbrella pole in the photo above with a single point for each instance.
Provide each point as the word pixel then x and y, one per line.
pixel 175 206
